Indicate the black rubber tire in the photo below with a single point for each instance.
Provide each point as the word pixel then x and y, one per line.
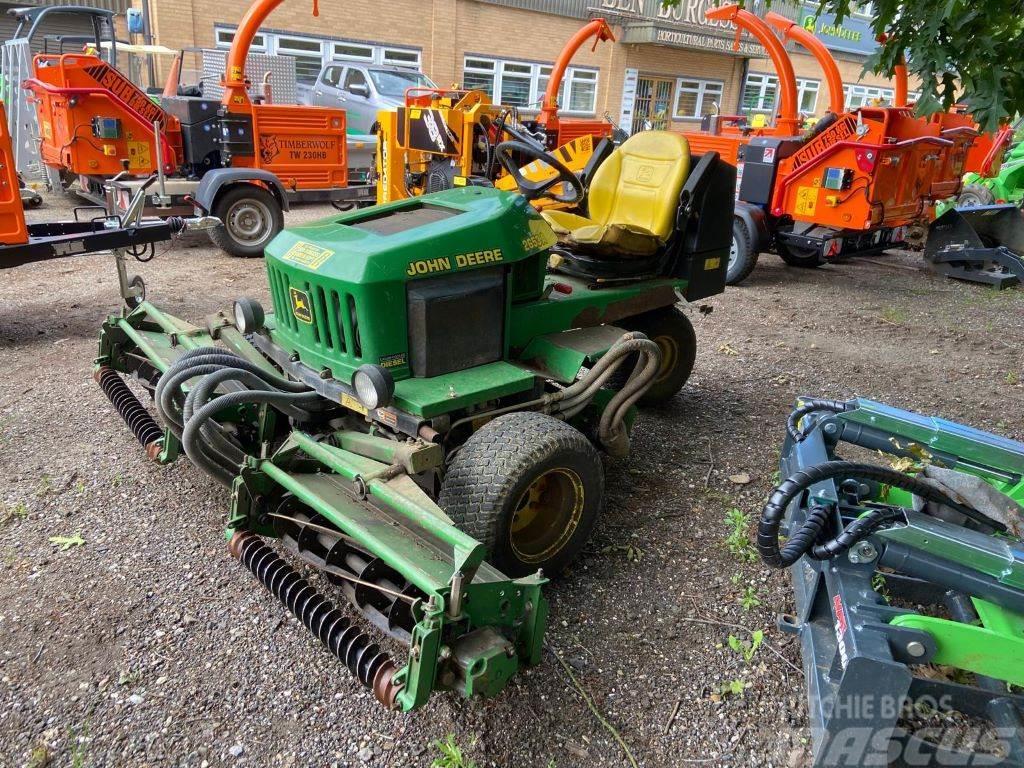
pixel 489 475
pixel 974 195
pixel 798 257
pixel 742 256
pixel 671 330
pixel 263 202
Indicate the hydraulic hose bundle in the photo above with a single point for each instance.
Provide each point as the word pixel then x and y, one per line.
pixel 809 539
pixel 208 444
pixel 570 401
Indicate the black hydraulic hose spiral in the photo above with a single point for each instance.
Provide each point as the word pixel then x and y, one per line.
pixel 808 406
pixel 805 540
pixel 134 413
pixel 371 666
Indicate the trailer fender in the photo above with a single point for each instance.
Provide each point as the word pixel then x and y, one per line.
pixel 753 217
pixel 213 182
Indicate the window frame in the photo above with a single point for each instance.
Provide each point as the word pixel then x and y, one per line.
pixel 276 43
pixel 259 40
pixel 701 91
pixel 770 83
pixel 866 93
pixel 803 85
pixel 539 74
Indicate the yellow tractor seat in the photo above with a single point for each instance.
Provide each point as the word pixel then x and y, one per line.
pixel 632 199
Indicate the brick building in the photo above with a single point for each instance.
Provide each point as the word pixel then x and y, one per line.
pixel 667 68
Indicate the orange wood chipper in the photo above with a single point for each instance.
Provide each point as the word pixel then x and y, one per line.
pixel 850 185
pixel 241 159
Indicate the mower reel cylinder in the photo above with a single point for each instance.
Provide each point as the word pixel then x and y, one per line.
pixel 372 667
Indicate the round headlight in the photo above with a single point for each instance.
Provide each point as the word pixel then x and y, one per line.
pixel 373 385
pixel 248 315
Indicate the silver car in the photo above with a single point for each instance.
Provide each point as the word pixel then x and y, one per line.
pixel 364 89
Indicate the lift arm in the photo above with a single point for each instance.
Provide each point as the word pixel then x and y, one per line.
pixel 787 120
pixel 600 31
pixel 793 31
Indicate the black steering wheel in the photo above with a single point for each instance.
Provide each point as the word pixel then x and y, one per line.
pixel 532 190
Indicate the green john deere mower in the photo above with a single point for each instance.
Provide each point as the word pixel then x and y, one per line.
pixel 420 416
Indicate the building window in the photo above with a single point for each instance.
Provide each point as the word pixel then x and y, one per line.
pixel 308 55
pixel 807 96
pixel 225 37
pixel 352 52
pixel 857 96
pixel 311 54
pixel 478 75
pixel 522 84
pixel 761 92
pixel 401 58
pixel 696 98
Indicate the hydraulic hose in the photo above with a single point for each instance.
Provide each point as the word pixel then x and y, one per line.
pixel 806 539
pixel 205 442
pixel 808 406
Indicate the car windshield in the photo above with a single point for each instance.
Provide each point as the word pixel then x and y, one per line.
pixel 389 82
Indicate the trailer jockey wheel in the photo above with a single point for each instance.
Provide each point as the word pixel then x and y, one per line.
pixel 529 488
pixel 795 256
pixel 672 331
pixel 250 216
pixel 137 286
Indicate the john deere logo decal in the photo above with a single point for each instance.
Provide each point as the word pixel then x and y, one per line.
pixel 300 306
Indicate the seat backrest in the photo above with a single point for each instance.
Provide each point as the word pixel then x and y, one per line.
pixel 639 184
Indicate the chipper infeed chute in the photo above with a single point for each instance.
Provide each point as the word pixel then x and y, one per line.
pixel 983 244
pixel 909 584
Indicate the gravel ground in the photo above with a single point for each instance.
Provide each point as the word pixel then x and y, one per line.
pixel 147 645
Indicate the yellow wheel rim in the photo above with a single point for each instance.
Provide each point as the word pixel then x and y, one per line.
pixel 669 354
pixel 546 515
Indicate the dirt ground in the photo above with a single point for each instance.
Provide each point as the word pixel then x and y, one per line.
pixel 147 645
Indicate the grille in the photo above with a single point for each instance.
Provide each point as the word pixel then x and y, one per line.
pixel 335 326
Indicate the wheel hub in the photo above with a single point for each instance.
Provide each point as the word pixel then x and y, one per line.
pixel 546 515
pixel 249 221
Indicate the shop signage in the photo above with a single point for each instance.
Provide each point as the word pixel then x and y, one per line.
pixel 685 25
pixel 854 35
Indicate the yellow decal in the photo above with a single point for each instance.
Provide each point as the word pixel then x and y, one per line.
pixel 806 200
pixel 138 155
pixel 47 130
pixel 307 255
pixel 353 404
pixel 459 181
pixel 714 263
pixel 447 263
pixel 300 306
pixel 414 114
pixel 236 73
pixel 541 236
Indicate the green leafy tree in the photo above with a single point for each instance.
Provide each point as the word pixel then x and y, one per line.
pixel 963 51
